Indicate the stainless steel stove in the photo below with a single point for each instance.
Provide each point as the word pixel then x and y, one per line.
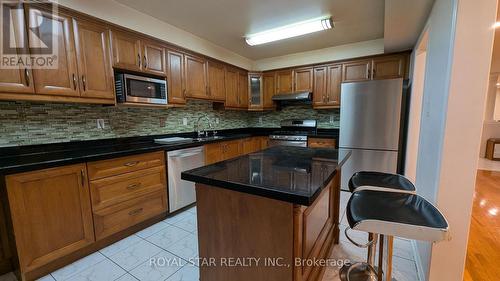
pixel 293 132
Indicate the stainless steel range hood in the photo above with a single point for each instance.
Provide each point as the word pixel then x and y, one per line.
pixel 293 97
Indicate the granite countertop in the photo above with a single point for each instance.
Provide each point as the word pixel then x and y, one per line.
pixel 28 158
pixel 292 174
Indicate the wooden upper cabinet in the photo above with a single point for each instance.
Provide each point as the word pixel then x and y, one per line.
pixel 243 89
pixel 303 79
pixel 255 91
pixel 269 85
pixel 62 80
pixel 232 87
pixel 334 84
pixel 388 67
pixel 320 86
pixel 153 58
pixel 356 71
pixel 19 80
pixel 51 214
pixel 94 60
pixel 195 77
pixel 215 73
pixel 284 81
pixel 175 80
pixel 126 51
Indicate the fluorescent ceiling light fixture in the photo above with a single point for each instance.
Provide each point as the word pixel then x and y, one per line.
pixel 289 31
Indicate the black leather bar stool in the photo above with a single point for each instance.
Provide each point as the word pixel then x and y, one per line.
pixel 366 180
pixel 392 214
pixel 378 181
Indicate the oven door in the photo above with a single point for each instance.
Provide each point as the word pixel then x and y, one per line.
pixel 145 90
pixel 273 142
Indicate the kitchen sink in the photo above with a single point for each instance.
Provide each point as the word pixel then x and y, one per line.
pixel 208 138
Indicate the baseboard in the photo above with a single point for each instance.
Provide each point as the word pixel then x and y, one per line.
pixel 418 261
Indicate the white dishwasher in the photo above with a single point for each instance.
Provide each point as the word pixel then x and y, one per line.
pixel 180 192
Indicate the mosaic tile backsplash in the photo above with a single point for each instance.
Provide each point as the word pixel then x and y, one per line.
pixel 24 123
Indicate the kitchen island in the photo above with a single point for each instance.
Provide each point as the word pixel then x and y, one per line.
pixel 268 215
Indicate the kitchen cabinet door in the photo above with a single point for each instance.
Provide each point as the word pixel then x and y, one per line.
pixel 284 81
pixel 320 86
pixel 51 214
pixel 213 153
pixel 250 145
pixel 269 86
pixel 18 80
pixel 94 61
pixel 175 77
pixel 388 67
pixel 153 58
pixel 255 91
pixel 231 85
pixel 231 149
pixel 63 80
pixel 195 77
pixel 243 89
pixel 334 84
pixel 216 89
pixel 303 79
pixel 356 71
pixel 127 53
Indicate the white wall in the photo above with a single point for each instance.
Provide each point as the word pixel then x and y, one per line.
pixel 458 62
pixel 122 15
pixel 359 49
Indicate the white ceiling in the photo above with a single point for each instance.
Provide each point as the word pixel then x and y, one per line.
pixel 225 22
pixel 404 21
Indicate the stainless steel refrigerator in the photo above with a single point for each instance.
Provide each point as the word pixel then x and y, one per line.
pixel 372 126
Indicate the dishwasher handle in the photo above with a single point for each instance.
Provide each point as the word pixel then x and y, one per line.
pixel 184 155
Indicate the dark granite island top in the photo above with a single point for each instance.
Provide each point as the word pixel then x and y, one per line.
pixel 292 174
pixel 279 203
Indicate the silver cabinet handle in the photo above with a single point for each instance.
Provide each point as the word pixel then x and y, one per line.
pixel 135 212
pixel 74 81
pixel 27 76
pixel 131 163
pixel 84 83
pixel 134 186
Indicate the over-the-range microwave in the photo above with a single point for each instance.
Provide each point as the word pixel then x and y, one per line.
pixel 140 89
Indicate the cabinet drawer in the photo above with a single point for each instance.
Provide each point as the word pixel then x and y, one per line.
pixel 116 189
pixel 318 142
pixel 124 215
pixel 117 166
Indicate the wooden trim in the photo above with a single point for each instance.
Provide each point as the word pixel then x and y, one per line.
pixel 56 99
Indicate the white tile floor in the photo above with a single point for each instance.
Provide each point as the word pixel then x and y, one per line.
pixel 175 239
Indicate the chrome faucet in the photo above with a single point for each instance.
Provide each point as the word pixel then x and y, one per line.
pixel 204 133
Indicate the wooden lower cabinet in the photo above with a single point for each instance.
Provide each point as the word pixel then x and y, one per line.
pixel 120 216
pixel 51 214
pixel 250 145
pixel 321 142
pixel 61 214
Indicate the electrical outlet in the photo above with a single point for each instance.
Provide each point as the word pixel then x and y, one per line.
pixel 260 120
pixel 100 124
pixel 184 121
pixel 163 121
pixel 217 120
pixel 332 119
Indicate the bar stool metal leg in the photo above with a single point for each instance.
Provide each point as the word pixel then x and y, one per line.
pixel 361 271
